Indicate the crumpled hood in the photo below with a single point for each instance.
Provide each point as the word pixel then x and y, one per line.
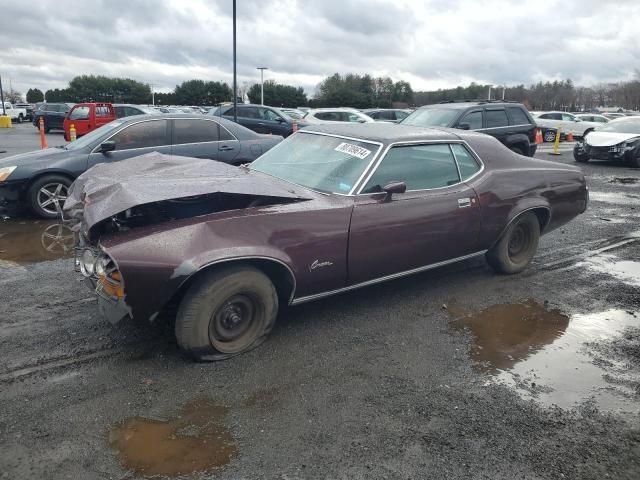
pixel 608 139
pixel 111 188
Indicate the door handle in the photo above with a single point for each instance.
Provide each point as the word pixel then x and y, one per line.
pixel 464 202
pixel 261 123
pixel 225 148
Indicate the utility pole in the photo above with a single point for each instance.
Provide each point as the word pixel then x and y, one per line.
pixel 4 112
pixel 153 94
pixel 503 89
pixel 489 95
pixel 235 89
pixel 262 69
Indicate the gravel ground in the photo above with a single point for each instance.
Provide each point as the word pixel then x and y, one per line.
pixel 375 383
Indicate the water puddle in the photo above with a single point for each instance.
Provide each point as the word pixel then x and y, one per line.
pixel 198 440
pixel 626 271
pixel 32 241
pixel 543 353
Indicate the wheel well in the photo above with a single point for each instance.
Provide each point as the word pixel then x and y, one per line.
pixel 281 276
pixel 44 174
pixel 543 215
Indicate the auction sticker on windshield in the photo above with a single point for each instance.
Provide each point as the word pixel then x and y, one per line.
pixel 353 150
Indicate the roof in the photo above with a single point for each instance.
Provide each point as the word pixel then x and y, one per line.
pixel 472 103
pixel 385 133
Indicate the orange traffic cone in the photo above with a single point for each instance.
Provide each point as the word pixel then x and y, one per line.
pixel 569 137
pixel 43 139
pixel 539 138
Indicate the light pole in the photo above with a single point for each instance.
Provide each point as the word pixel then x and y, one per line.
pixel 235 89
pixel 262 69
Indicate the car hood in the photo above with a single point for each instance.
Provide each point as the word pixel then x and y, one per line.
pixel 607 139
pixel 111 188
pixel 33 157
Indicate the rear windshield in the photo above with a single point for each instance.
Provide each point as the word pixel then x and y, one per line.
pixel 431 117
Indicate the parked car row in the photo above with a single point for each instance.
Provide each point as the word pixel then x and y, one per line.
pixel 40 180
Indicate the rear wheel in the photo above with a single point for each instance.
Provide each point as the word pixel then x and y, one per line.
pixel 549 136
pixel 517 246
pixel 225 313
pixel 47 194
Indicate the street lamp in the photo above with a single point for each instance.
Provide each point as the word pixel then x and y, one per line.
pixel 262 69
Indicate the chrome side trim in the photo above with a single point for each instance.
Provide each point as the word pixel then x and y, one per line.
pixel 393 276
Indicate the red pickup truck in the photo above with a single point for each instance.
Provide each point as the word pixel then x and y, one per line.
pixel 86 117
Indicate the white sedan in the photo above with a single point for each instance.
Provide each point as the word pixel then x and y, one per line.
pixel 617 141
pixel 337 115
pixel 568 122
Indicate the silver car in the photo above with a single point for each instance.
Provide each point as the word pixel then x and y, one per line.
pixel 568 122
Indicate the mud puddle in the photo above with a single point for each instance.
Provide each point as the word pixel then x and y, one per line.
pixel 198 440
pixel 545 354
pixel 626 271
pixel 32 241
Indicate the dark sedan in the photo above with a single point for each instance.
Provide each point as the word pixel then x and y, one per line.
pixel 40 180
pixel 328 210
pixel 261 119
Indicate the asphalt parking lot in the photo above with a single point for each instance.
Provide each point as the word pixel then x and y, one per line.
pixel 453 373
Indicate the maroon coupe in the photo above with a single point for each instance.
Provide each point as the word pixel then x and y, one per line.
pixel 328 210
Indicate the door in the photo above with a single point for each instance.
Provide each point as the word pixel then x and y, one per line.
pixel 272 122
pixel 103 115
pixel 437 219
pixel 194 137
pixel 135 139
pixel 471 120
pixel 228 146
pixel 496 123
pixel 572 124
pixel 80 118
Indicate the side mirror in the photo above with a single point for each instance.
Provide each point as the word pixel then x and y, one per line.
pixel 464 126
pixel 107 146
pixel 394 187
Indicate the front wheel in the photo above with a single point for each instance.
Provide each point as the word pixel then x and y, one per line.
pixel 226 313
pixel 516 247
pixel 47 194
pixel 579 155
pixel 20 118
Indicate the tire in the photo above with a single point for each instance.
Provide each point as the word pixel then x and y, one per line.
pixel 516 247
pixel 20 118
pixel 57 187
pixel 210 324
pixel 579 157
pixel 549 136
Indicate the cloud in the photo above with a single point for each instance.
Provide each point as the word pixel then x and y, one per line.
pixel 432 44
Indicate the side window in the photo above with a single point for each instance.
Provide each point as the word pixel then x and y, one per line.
pixel 474 119
pixel 269 114
pixel 496 118
pixel 517 116
pixel 120 112
pixel 142 135
pixel 248 112
pixel 400 115
pixel 228 112
pixel 545 116
pixel 420 167
pixel 568 118
pixel 466 163
pixel 374 115
pixel 79 113
pixel 131 111
pixel 387 115
pixel 328 116
pixel 225 134
pixel 103 111
pixel 194 131
pixel 555 116
pixel 600 119
pixel 352 117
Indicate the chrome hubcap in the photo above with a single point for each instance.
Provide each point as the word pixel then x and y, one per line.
pixel 51 197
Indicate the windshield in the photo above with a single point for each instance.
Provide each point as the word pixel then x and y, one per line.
pixel 431 117
pixel 622 126
pixel 323 163
pixel 90 138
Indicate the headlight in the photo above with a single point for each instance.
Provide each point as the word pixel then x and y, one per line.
pixel 88 263
pixel 5 172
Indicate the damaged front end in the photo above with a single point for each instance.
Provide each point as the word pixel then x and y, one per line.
pixel 102 275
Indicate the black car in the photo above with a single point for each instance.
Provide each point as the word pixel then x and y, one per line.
pixel 126 110
pixel 511 123
pixel 40 180
pixel 260 118
pixel 53 114
pixel 393 115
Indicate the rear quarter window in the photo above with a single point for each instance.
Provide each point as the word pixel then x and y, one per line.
pixel 517 116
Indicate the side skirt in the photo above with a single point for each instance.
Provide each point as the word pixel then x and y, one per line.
pixel 309 298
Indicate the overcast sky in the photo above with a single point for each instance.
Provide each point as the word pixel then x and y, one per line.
pixel 430 43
